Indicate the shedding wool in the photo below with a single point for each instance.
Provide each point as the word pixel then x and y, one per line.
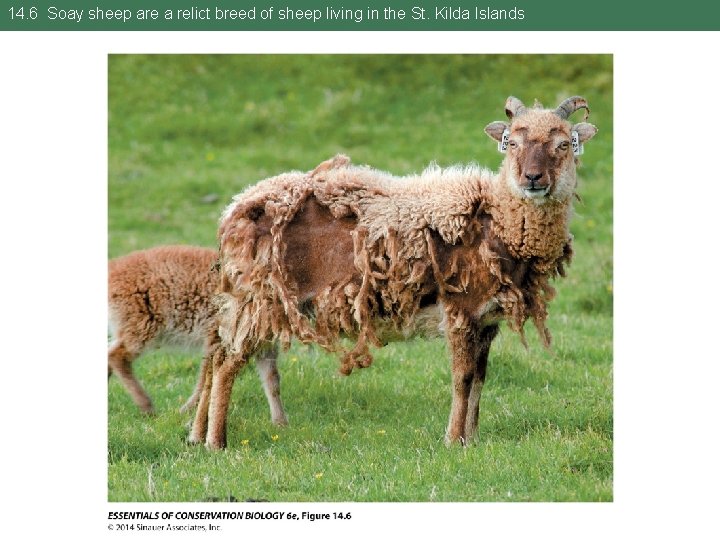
pixel 350 251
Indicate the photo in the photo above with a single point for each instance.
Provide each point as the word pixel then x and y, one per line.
pixel 360 278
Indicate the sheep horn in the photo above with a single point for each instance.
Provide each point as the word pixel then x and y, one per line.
pixel 570 105
pixel 514 107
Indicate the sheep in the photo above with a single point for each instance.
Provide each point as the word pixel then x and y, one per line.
pixel 162 296
pixel 352 251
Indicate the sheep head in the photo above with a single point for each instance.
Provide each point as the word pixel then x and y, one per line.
pixel 540 162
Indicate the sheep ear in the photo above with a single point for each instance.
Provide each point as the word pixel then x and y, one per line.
pixel 496 129
pixel 585 131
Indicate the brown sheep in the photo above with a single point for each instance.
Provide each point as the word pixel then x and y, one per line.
pixel 352 251
pixel 162 296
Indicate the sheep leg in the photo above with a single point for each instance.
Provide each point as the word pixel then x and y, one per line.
pixel 463 372
pixel 269 376
pixel 266 363
pixel 195 397
pixel 223 378
pixel 120 357
pixel 213 347
pixel 214 353
pixel 200 423
pixel 486 337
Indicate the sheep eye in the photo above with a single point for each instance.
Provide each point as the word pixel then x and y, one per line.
pixel 512 144
pixel 563 145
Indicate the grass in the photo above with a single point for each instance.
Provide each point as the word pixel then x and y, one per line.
pixel 188 132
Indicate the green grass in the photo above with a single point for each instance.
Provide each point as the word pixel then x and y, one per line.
pixel 188 132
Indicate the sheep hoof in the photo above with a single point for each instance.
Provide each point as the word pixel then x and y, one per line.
pixel 452 441
pixel 470 440
pixel 148 411
pixel 194 440
pixel 217 445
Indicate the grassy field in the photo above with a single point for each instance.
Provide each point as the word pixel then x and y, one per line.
pixel 188 132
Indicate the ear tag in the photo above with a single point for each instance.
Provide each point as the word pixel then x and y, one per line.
pixel 576 144
pixel 503 144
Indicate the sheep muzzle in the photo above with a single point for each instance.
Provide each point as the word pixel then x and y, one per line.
pixel 534 174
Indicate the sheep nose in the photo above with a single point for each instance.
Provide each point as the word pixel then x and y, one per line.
pixel 533 177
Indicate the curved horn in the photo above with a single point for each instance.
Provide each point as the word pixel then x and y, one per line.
pixel 514 107
pixel 570 105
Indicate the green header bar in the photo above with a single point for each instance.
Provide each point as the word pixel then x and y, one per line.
pixel 488 15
